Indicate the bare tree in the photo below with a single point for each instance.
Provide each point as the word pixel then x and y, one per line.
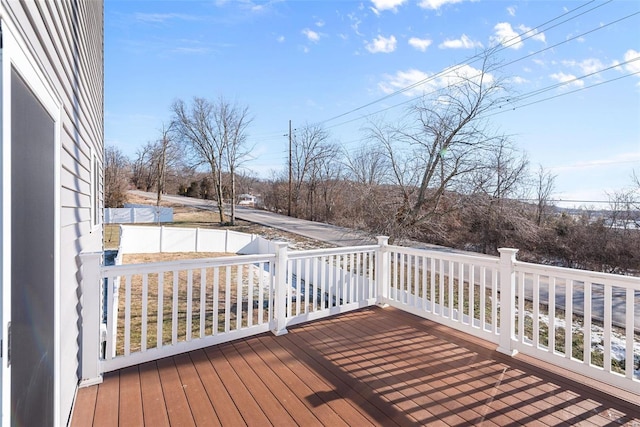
pixel 368 170
pixel 167 156
pixel 500 179
pixel 544 186
pixel 310 148
pixel 444 137
pixel 233 121
pixel 368 165
pixel 156 161
pixel 142 168
pixel 216 134
pixel 116 177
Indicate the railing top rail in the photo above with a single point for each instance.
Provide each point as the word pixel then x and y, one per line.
pixel 576 274
pixel 331 251
pixel 151 267
pixel 486 260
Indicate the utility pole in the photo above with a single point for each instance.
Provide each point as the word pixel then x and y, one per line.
pixel 290 171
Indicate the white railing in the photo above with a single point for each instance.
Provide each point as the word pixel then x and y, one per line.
pixel 163 309
pixel 581 320
pixel 458 290
pixel 529 308
pixel 329 281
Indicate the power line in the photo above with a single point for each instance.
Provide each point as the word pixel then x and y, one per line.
pixel 566 93
pixel 504 45
pixel 600 27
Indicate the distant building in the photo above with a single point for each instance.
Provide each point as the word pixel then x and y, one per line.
pixel 247 200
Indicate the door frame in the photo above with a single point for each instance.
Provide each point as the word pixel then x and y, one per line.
pixel 16 54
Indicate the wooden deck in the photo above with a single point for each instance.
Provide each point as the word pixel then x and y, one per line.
pixel 369 367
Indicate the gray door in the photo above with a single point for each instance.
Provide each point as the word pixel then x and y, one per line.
pixel 32 258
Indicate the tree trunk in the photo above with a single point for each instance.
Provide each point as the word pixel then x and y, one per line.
pixel 233 196
pixel 218 183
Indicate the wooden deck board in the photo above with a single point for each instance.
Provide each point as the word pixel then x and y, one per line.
pixel 108 401
pixel 296 384
pixel 85 406
pixel 291 402
pixel 266 398
pixel 223 405
pixel 369 367
pixel 323 394
pixel 199 403
pixel 251 412
pixel 154 408
pixel 178 408
pixel 131 397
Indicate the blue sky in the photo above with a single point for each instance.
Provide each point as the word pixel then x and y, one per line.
pixel 312 61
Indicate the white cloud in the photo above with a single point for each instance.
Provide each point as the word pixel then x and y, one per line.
pixel 518 80
pixel 280 39
pixel 511 10
pixel 190 50
pixel 616 159
pixel 436 4
pixel 463 42
pixel 355 23
pixel 380 5
pixel 382 44
pixel 159 18
pixel 632 55
pixel 311 35
pixel 506 36
pixel 320 23
pixel 457 74
pixel 403 79
pixel 425 82
pixel 420 44
pixel 587 66
pixel 534 34
pixel 568 79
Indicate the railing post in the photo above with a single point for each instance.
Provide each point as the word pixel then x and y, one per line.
pixel 91 292
pixel 382 271
pixel 507 289
pixel 280 303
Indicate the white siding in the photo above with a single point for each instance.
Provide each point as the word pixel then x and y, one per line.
pixel 66 38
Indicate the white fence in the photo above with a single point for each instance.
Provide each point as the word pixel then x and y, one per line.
pixel 518 306
pixel 137 215
pixel 148 239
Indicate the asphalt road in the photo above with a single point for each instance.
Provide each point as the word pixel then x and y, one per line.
pixel 314 230
pixel 345 237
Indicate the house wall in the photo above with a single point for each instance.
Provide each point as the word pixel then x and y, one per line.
pixel 64 41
